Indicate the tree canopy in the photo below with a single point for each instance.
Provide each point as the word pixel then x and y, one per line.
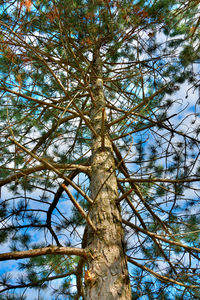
pixel 90 91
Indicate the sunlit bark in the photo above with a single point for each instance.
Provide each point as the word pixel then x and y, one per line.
pixel 107 275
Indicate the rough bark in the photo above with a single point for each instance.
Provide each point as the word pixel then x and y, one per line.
pixel 106 277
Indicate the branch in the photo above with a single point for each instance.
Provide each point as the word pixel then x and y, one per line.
pixel 51 167
pixel 77 205
pixel 124 195
pixel 35 283
pixel 25 172
pixel 54 204
pixel 151 234
pixel 52 250
pixel 102 128
pixel 145 228
pixel 139 129
pixel 136 189
pixel 151 179
pixel 35 100
pixel 128 200
pixel 12 227
pixel 161 277
pixel 145 101
pixel 160 123
pixel 131 132
pixel 147 206
pixel 79 284
pixel 44 137
pixel 87 122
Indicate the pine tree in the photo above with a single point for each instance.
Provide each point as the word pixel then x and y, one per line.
pixel 99 175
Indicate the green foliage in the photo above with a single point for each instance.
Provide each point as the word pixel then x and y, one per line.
pixel 188 55
pixel 47 77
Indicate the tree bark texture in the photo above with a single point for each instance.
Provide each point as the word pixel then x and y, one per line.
pixel 107 276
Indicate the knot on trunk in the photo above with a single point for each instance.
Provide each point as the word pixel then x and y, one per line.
pixel 90 277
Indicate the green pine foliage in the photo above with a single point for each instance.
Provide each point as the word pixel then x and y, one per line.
pixel 148 50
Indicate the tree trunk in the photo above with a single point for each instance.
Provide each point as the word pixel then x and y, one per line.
pixel 107 276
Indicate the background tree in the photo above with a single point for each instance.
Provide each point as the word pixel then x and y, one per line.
pixel 99 161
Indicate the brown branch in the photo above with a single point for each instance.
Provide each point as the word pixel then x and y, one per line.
pixel 34 99
pixel 132 131
pixel 52 250
pixel 87 122
pixel 160 123
pixel 136 189
pixel 79 284
pixel 147 206
pixel 144 102
pixel 25 172
pixel 102 128
pixel 161 277
pixel 153 123
pixel 53 206
pixel 35 283
pixel 50 131
pixel 125 194
pixel 144 226
pixel 195 27
pixel 151 180
pixel 51 167
pixel 132 207
pixel 12 227
pixel 77 205
pixel 151 234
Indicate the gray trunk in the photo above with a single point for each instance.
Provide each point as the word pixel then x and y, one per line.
pixel 107 276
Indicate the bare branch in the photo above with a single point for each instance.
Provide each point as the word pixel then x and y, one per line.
pixel 77 205
pixel 152 179
pixel 25 172
pixel 164 239
pixel 36 283
pixel 34 99
pixel 102 129
pixel 161 277
pixel 52 250
pixel 51 167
